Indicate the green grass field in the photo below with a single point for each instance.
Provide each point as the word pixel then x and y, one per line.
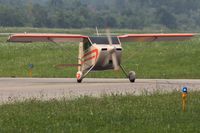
pixel 157 113
pixel 149 60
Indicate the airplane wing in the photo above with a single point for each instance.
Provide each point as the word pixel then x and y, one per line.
pixel 46 38
pixel 155 37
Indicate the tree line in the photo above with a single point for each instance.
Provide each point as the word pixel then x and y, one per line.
pixel 133 14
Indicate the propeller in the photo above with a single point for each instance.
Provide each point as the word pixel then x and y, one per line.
pixel 112 51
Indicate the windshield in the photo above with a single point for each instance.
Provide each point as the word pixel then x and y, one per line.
pixel 104 40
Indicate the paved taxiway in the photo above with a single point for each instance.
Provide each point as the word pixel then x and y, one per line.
pixel 49 88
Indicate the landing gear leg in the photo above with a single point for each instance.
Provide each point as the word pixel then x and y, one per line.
pixel 81 75
pixel 131 75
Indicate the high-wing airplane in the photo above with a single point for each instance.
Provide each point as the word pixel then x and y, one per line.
pixel 99 53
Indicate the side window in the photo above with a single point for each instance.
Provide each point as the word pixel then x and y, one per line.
pixel 86 44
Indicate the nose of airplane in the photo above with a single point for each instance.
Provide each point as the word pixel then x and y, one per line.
pixel 112 52
pixel 111 49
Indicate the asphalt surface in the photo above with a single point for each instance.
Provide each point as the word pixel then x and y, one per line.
pixel 12 89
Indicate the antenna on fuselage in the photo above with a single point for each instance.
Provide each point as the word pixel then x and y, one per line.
pixel 97 31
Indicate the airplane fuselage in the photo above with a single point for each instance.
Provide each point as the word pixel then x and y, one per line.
pixel 98 55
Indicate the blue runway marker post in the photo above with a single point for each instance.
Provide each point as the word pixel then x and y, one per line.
pixel 184 98
pixel 30 73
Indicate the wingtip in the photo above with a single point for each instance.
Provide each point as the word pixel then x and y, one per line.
pixel 9 39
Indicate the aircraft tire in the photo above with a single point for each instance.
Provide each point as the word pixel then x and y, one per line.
pixel 132 76
pixel 79 80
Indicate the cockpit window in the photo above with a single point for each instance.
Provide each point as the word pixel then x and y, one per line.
pixel 86 44
pixel 104 40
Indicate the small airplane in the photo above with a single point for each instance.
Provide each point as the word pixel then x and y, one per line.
pixel 98 53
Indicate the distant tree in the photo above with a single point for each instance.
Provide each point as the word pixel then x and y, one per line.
pixel 10 17
pixel 166 18
pixel 56 3
pixel 110 21
pixel 40 16
pixel 136 14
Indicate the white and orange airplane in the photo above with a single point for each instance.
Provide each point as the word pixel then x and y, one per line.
pixel 99 53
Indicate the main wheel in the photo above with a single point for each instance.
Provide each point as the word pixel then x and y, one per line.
pixel 79 76
pixel 132 76
pixel 79 80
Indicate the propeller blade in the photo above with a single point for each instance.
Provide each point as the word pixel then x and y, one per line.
pixel 109 36
pixel 106 59
pixel 112 51
pixel 115 62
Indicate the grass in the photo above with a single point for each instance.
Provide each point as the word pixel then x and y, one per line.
pixel 149 60
pixel 157 113
pixel 165 59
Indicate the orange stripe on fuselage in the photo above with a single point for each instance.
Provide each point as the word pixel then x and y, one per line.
pixel 90 58
pixel 89 53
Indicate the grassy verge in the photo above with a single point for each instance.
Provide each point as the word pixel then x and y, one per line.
pixel 158 113
pixel 149 60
